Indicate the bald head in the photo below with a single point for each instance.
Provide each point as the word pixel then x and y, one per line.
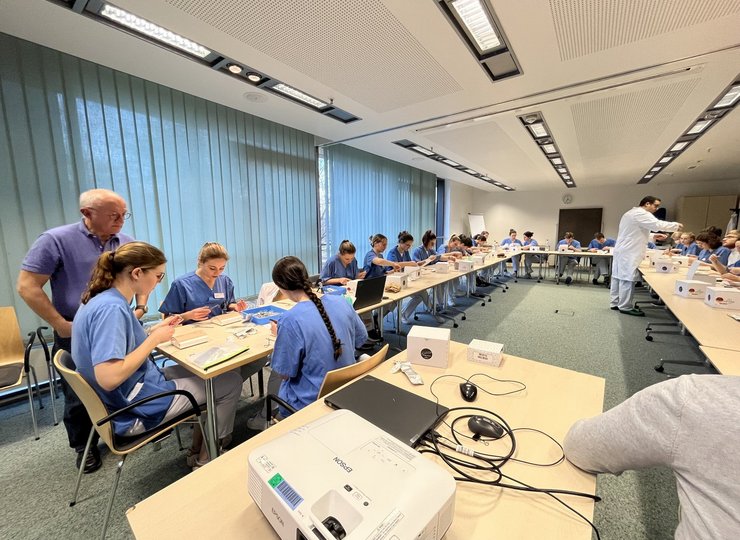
pixel 105 212
pixel 95 197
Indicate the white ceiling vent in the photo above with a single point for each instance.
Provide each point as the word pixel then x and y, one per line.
pixel 356 47
pixel 587 26
pixel 628 122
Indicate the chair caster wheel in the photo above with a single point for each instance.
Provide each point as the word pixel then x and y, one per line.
pixel 489 298
pixel 659 368
pixel 416 317
pixel 464 318
pixel 455 325
pixel 503 290
pixel 649 338
pixel 483 304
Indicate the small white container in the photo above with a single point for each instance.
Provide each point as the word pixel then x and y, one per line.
pixel 665 266
pixel 402 280
pixel 413 272
pixel 722 297
pixel 428 346
pixel 479 260
pixel 227 318
pixel 690 288
pixel 189 338
pixel 681 262
pixel 485 352
pixel 442 267
pixel 464 266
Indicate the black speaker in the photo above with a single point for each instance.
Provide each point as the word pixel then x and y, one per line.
pixel 661 213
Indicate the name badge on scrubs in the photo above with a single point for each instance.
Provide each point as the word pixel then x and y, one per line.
pixel 219 295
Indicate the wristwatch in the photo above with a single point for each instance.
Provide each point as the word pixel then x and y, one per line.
pixel 143 308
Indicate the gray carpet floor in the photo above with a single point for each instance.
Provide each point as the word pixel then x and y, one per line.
pixel 571 327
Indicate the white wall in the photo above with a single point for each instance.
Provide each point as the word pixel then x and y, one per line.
pixel 538 211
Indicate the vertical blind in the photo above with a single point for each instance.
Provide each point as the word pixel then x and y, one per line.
pixel 363 194
pixel 191 170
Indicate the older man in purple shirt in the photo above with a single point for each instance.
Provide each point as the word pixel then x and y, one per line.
pixel 65 256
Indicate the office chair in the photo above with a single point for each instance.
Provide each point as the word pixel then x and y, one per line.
pixel 101 419
pixel 15 362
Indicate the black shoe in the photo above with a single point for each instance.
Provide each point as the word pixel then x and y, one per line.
pixel 367 346
pixel 93 461
pixel 595 281
pixel 614 308
pixel 374 335
pixel 568 280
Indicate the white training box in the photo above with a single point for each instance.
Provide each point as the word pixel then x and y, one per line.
pixel 665 266
pixel 227 318
pixel 680 261
pixel 485 352
pixel 464 266
pixel 479 260
pixel 413 272
pixel 428 346
pixel 442 267
pixel 402 280
pixel 722 297
pixel 351 287
pixel 189 338
pixel 690 288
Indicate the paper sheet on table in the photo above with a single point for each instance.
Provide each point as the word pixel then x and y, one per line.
pixel 216 355
pixel 692 269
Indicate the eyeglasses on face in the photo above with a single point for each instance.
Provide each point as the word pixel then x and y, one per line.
pixel 116 216
pixel 159 277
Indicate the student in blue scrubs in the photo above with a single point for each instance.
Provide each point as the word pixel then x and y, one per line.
pixel 313 337
pixel 205 293
pixel 601 264
pixel 454 250
pixel 711 244
pixel 510 241
pixel 528 245
pixel 401 254
pixel 567 264
pixel 687 245
pixel 342 267
pixel 112 351
pixel 374 264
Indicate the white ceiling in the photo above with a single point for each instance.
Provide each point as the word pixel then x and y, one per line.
pixel 616 80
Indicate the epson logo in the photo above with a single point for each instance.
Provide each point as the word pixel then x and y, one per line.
pixel 342 464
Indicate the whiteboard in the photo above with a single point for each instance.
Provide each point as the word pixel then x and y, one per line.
pixel 477 223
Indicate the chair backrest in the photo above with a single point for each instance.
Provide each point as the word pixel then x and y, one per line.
pixel 11 344
pixel 337 377
pixel 89 398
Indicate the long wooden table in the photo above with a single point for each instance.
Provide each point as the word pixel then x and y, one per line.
pixel 710 326
pixel 261 343
pixel 213 501
pixel 725 361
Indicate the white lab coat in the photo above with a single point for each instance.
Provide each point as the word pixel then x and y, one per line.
pixel 634 232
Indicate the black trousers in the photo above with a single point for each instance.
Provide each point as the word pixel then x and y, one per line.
pixel 76 420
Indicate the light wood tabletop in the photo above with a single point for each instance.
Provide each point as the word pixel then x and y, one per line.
pixel 725 361
pixel 213 502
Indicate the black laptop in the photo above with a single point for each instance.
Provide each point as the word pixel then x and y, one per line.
pixel 369 292
pixel 396 411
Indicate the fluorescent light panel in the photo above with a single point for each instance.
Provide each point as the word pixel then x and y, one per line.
pixel 154 31
pixel 729 99
pixel 422 150
pixel 665 159
pixel 700 126
pixel 549 148
pixel 679 146
pixel 300 96
pixel 557 161
pixel 538 130
pixel 471 171
pixel 474 17
pixel 655 169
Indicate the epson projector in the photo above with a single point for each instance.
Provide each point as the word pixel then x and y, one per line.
pixel 341 477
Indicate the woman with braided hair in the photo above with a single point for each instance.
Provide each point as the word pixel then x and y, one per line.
pixel 315 336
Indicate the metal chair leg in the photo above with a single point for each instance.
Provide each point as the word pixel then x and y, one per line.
pixel 33 410
pixel 82 466
pixel 116 478
pixel 52 391
pixel 36 384
pixel 179 439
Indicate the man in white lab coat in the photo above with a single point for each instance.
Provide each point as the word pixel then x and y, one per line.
pixel 634 232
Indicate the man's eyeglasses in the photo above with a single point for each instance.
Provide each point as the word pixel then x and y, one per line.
pixel 115 216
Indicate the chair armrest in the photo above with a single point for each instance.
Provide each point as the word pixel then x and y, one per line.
pixel 43 342
pixel 127 408
pixel 27 353
pixel 272 397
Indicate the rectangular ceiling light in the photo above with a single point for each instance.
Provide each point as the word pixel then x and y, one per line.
pixel 729 99
pixel 700 126
pixel 655 169
pixel 300 96
pixel 679 146
pixel 422 150
pixel 475 18
pixel 549 148
pixel 450 163
pixel 665 159
pixel 538 130
pixel 471 171
pixel 142 26
pixel 557 161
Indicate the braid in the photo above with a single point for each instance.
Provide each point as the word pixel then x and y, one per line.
pixel 336 343
pixel 102 277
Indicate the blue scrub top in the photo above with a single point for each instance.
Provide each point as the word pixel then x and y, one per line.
pixel 395 255
pixel 575 243
pixel 691 249
pixel 722 253
pixel 374 270
pixel 595 244
pixel 334 268
pixel 506 241
pixel 190 292
pixel 105 329
pixel 530 242
pixel 421 254
pixel 303 350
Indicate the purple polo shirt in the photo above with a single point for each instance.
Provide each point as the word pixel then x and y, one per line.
pixel 68 254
